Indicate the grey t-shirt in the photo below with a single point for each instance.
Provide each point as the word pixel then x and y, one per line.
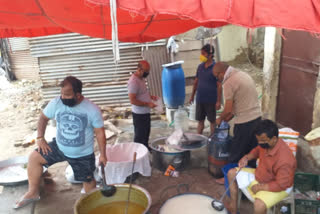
pixel 138 86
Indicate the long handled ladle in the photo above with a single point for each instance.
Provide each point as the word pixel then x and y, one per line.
pixel 130 185
pixel 218 204
pixel 107 190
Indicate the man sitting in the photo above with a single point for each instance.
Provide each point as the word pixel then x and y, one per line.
pixel 272 181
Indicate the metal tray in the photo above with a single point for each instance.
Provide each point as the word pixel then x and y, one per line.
pixel 12 171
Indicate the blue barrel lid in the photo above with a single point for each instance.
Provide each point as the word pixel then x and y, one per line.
pixel 173 64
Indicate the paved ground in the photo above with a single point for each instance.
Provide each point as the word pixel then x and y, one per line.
pixel 9 196
pixel 58 196
pixel 61 196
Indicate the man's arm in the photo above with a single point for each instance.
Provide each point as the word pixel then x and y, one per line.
pixel 227 112
pixel 219 95
pixel 194 89
pixel 41 141
pixel 284 179
pixel 254 154
pixel 135 101
pixel 102 141
pixel 42 125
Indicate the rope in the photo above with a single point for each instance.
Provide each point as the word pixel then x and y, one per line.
pixel 115 40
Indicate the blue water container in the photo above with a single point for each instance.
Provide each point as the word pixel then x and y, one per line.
pixel 173 85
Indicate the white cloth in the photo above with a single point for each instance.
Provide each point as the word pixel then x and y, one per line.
pixel 244 179
pixel 120 160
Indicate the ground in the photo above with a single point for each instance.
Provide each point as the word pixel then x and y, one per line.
pixel 21 103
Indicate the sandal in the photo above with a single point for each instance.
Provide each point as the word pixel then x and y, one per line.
pixel 24 202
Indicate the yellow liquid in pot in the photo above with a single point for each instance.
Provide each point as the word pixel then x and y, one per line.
pixel 118 208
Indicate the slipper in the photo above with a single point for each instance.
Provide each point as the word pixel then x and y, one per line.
pixel 24 202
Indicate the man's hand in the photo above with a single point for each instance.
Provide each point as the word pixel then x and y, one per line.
pixel 218 121
pixel 257 188
pixel 102 160
pixel 151 105
pixel 243 162
pixel 218 106
pixel 191 99
pixel 155 98
pixel 43 146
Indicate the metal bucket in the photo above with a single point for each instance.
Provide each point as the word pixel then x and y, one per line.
pixel 88 203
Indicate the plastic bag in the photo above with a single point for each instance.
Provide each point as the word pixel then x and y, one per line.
pixel 290 136
pixel 159 107
pixel 175 138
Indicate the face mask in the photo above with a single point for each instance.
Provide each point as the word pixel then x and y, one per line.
pixel 203 58
pixel 69 102
pixel 264 145
pixel 145 74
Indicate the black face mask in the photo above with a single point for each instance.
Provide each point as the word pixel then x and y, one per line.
pixel 145 74
pixel 69 102
pixel 264 145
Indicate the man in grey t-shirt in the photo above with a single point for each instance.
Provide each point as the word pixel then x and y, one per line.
pixel 140 100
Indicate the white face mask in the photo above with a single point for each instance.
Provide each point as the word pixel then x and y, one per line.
pixel 315 152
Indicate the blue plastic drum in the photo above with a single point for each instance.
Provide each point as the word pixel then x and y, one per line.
pixel 173 85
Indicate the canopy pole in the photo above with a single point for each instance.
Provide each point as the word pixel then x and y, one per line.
pixel 114 24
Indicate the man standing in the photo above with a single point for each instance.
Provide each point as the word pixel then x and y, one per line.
pixel 241 101
pixel 208 90
pixel 77 121
pixel 272 181
pixel 140 100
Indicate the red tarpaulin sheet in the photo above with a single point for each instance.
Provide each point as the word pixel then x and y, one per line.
pixel 147 20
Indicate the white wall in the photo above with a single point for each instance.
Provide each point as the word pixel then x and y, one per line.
pixel 231 39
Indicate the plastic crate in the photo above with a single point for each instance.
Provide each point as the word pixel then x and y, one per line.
pixel 305 182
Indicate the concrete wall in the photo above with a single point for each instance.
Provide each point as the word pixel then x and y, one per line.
pixel 316 107
pixel 272 51
pixel 231 41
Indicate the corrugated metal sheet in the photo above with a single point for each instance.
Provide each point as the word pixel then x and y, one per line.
pixel 23 65
pixel 156 56
pixel 72 43
pixel 19 44
pixel 92 67
pixel 104 82
pixel 90 60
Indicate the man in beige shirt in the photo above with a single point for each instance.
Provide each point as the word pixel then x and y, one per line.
pixel 241 102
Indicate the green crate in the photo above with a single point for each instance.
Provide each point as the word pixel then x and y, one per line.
pixel 305 182
pixel 307 207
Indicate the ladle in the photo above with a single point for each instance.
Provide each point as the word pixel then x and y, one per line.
pixel 217 204
pixel 130 185
pixel 107 190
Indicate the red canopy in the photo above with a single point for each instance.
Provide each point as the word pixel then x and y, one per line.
pixel 147 20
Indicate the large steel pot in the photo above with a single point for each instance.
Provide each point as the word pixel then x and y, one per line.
pixel 89 202
pixel 161 159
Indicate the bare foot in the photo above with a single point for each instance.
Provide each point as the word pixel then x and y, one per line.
pixel 220 181
pixel 229 206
